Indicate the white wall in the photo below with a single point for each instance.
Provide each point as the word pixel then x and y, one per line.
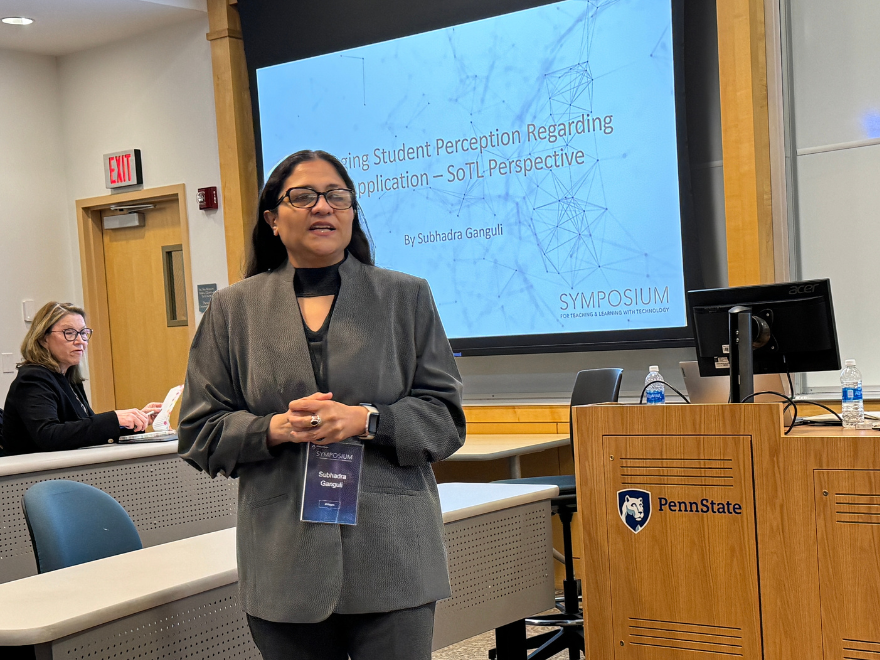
pixel 35 235
pixel 153 92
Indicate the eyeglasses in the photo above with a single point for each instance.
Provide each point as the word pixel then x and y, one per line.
pixel 305 198
pixel 70 334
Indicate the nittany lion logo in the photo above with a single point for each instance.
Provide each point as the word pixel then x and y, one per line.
pixel 635 508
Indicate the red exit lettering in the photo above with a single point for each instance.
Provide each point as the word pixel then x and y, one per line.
pixel 120 168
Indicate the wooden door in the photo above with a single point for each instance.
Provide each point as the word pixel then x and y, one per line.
pixel 146 297
pixel 848 538
pixel 683 558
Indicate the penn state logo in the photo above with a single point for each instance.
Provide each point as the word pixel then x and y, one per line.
pixel 635 508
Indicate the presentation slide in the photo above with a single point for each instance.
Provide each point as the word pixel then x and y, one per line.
pixel 526 165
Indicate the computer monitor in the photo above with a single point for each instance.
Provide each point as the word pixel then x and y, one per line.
pixel 789 326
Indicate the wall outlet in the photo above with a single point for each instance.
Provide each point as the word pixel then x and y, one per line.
pixel 8 363
pixel 27 310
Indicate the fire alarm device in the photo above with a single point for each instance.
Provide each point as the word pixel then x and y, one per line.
pixel 208 198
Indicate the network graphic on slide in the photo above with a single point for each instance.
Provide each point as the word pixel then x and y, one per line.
pixel 570 211
pixel 525 165
pixel 569 225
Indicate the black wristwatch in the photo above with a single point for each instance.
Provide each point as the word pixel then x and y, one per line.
pixel 372 422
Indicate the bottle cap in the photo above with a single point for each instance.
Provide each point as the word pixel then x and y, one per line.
pixel 656 368
pixel 849 363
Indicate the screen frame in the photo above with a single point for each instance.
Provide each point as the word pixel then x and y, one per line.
pixel 267 42
pixel 766 296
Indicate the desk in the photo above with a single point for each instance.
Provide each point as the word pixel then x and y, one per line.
pixel 180 599
pixel 818 497
pixel 489 447
pixel 166 498
pixel 722 493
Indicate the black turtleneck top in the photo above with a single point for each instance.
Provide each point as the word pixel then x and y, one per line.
pixel 311 283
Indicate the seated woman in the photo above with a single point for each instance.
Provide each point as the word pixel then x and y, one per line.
pixel 46 406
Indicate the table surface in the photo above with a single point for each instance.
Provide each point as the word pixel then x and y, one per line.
pixel 59 460
pixel 819 431
pixel 45 607
pixel 477 447
pixel 491 446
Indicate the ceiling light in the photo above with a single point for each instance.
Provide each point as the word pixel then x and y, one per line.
pixel 17 20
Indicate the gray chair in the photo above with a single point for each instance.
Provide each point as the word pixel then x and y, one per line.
pixel 590 386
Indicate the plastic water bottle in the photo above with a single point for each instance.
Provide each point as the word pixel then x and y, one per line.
pixel 656 392
pixel 851 395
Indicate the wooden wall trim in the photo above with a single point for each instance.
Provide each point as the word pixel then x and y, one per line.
pixel 221 34
pixel 191 293
pixel 776 125
pixel 235 132
pixel 516 419
pixel 745 139
pixel 102 386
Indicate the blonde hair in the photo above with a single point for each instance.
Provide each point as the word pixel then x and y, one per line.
pixel 32 349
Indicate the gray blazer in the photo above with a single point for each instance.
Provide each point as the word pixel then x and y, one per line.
pixel 385 346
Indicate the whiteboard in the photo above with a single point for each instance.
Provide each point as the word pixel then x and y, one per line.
pixel 834 52
pixel 839 202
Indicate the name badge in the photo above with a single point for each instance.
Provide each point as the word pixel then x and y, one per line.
pixel 332 483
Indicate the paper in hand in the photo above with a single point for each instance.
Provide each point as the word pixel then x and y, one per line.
pixel 162 420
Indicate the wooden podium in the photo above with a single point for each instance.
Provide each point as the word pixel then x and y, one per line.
pixel 708 533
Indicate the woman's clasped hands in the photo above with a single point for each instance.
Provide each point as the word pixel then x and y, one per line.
pixel 318 419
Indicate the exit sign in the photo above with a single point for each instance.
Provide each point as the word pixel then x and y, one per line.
pixel 123 168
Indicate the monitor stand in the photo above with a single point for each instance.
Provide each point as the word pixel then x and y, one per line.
pixel 742 371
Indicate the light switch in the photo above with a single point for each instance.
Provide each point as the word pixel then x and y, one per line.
pixel 8 363
pixel 27 308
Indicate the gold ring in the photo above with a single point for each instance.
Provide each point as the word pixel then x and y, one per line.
pixel 315 421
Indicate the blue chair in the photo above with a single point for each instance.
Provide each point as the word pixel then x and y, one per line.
pixel 72 523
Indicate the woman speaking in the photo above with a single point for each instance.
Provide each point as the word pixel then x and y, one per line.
pixel 318 346
pixel 46 406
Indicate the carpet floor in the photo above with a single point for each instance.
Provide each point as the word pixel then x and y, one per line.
pixel 477 648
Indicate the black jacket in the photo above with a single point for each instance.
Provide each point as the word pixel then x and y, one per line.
pixel 42 413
